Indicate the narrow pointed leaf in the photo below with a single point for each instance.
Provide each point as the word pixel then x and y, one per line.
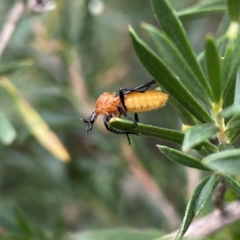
pixel 233 7
pixel 233 128
pixel 181 158
pixel 234 110
pixel 190 14
pixel 205 192
pixel 147 130
pixel 213 68
pixel 226 64
pixel 172 58
pixel 233 184
pixel 171 25
pixel 225 162
pixel 35 123
pixel 197 134
pixel 167 80
pixel 186 117
pixel 190 210
pixel 7 131
pixel 234 64
pixel 15 65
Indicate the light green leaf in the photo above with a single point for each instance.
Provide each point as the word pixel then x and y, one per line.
pixel 205 192
pixel 197 134
pixel 7 132
pixel 175 61
pixel 213 68
pixel 116 234
pixel 15 65
pixel 191 207
pixel 233 128
pixel 167 80
pixel 147 130
pixel 181 158
pixel 171 25
pixel 190 14
pixel 233 184
pixel 225 162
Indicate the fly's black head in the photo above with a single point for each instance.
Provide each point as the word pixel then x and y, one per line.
pixel 90 121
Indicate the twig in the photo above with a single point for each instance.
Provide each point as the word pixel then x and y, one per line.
pixel 8 28
pixel 211 223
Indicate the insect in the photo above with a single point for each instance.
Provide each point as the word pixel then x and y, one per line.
pixel 138 99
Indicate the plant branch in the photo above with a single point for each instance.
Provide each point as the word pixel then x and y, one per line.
pixel 211 223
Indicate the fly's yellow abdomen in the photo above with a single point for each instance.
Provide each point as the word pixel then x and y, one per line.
pixel 146 101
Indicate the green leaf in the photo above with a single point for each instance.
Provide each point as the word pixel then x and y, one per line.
pixel 15 65
pixel 175 61
pixel 224 147
pixel 225 162
pixel 213 68
pixel 190 14
pixel 186 117
pixel 116 234
pixel 226 64
pixel 191 207
pixel 7 132
pixel 171 25
pixel 205 193
pixel 147 130
pixel 233 7
pixel 167 80
pixel 233 184
pixel 233 110
pixel 233 128
pixel 233 65
pixel 181 158
pixel 197 134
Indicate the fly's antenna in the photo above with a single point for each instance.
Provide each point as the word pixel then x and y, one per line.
pixel 90 121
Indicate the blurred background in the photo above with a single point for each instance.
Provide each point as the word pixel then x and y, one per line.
pixel 59 60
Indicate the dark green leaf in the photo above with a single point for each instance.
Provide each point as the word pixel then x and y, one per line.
pixel 7 132
pixel 213 68
pixel 175 61
pixel 181 158
pixel 205 193
pixel 233 64
pixel 171 25
pixel 184 115
pixel 197 134
pixel 226 64
pixel 233 9
pixel 167 80
pixel 147 130
pixel 226 162
pixel 233 128
pixel 190 210
pixel 233 184
pixel 235 108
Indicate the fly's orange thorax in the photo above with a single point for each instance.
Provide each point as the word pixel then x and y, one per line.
pixel 146 101
pixel 107 104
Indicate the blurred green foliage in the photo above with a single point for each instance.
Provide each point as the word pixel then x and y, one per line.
pixel 60 61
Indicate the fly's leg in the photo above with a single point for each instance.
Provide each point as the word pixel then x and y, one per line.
pixel 124 113
pixel 110 129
